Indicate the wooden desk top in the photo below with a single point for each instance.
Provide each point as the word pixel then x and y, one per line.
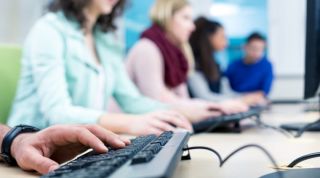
pixel 247 163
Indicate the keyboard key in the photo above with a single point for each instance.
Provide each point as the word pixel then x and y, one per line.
pixel 142 157
pixel 154 148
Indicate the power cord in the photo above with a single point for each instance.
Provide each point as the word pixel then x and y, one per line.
pixel 262 124
pixel 223 161
pixel 304 158
pixel 305 128
pixel 308 126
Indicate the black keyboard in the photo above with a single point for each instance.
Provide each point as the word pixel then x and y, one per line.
pixel 146 156
pixel 213 123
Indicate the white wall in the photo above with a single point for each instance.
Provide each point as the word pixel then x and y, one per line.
pixel 17 16
pixel 287 28
pixel 201 8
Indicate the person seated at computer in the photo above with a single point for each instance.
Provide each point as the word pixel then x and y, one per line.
pixel 71 67
pixel 159 63
pixel 205 82
pixel 42 151
pixel 252 73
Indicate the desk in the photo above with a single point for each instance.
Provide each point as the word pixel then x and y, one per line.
pixel 249 163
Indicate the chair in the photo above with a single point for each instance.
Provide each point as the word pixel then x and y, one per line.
pixel 9 75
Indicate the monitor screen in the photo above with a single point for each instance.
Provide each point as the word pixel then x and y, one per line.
pixel 312 70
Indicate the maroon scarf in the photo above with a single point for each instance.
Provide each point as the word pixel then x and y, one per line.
pixel 175 63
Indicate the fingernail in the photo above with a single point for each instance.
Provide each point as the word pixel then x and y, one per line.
pixel 103 147
pixel 52 168
pixel 119 142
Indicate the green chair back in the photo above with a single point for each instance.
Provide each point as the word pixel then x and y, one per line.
pixel 10 57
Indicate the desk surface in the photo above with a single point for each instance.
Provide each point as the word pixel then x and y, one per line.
pixel 248 163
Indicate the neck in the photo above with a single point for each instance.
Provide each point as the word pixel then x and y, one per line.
pixel 248 60
pixel 172 39
pixel 91 19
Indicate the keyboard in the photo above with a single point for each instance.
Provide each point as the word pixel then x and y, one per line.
pixel 210 124
pixel 146 156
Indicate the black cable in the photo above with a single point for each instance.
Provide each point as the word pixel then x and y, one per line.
pixel 305 128
pixel 304 158
pixel 223 161
pixel 308 126
pixel 275 128
pixel 206 148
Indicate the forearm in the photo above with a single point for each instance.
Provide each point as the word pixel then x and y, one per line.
pixel 3 131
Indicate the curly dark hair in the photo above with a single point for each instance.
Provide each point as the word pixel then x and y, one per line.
pixel 73 9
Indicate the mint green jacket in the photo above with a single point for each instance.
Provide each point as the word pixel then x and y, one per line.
pixel 59 78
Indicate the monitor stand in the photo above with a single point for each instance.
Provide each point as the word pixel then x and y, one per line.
pixel 302 127
pixel 297 173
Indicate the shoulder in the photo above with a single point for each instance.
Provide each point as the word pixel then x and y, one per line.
pixel 49 22
pixel 112 40
pixel 267 63
pixel 145 51
pixel 51 25
pixel 235 64
pixel 113 45
pixel 46 33
pixel 146 47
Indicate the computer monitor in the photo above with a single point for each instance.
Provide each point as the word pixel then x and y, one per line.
pixel 312 61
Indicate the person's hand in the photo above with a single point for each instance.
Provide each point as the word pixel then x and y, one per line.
pixel 198 110
pixel 44 150
pixel 157 122
pixel 256 98
pixel 234 106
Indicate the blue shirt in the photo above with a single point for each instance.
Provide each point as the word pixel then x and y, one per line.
pixel 250 77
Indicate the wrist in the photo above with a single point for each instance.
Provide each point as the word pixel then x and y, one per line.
pixel 17 142
pixel 9 138
pixel 3 131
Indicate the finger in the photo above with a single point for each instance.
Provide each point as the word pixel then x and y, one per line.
pixel 209 114
pixel 176 120
pixel 152 130
pixel 108 137
pixel 87 138
pixel 214 106
pixel 186 124
pixel 161 125
pixel 180 121
pixel 78 134
pixel 33 160
pixel 126 140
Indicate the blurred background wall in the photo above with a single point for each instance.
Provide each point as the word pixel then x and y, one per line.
pixel 281 21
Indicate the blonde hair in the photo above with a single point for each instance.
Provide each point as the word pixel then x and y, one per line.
pixel 162 13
